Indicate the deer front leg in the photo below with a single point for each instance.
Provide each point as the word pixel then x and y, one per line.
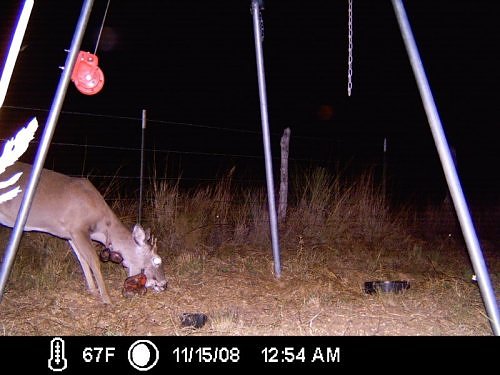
pixel 89 261
pixel 86 270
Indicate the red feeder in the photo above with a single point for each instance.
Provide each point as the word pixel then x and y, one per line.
pixel 87 76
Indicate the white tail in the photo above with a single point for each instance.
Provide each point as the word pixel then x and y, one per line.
pixel 72 208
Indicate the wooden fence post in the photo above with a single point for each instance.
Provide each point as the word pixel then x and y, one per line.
pixel 283 196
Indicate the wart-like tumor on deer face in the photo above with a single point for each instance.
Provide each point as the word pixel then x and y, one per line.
pixel 146 260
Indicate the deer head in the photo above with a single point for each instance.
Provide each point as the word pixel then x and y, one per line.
pixel 142 256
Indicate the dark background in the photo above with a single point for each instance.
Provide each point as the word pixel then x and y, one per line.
pixel 191 65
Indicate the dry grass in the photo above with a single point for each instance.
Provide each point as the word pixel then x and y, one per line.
pixel 215 243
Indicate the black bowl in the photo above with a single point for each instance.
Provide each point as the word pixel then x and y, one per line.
pixel 195 320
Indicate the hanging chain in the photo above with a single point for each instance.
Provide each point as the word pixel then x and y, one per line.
pixel 349 59
pixel 261 23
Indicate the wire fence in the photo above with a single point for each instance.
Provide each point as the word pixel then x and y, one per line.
pixel 106 148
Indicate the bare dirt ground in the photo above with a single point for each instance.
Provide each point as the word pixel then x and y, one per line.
pixel 320 293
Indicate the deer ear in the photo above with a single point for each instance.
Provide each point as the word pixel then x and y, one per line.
pixel 139 235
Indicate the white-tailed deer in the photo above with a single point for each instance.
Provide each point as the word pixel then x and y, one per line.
pixel 72 208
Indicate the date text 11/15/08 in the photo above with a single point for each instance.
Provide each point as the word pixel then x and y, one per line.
pixel 206 354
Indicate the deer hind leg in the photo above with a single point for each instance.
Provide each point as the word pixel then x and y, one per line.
pixel 90 264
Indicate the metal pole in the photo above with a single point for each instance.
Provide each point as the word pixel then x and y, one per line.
pixel 141 184
pixel 384 172
pixel 45 140
pixel 450 172
pixel 273 221
pixel 15 47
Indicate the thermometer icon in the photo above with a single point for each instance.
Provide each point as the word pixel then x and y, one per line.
pixel 57 360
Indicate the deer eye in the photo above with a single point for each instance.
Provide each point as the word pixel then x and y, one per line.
pixel 156 261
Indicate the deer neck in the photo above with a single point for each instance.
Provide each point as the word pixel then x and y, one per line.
pixel 119 238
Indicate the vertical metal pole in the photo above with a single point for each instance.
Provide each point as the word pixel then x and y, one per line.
pixel 384 171
pixel 15 47
pixel 273 221
pixel 450 172
pixel 141 182
pixel 45 140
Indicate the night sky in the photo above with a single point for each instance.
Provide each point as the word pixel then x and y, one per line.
pixel 193 62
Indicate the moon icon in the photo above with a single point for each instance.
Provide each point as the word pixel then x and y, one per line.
pixel 143 355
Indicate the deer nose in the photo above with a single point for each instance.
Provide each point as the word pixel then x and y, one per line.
pixel 156 286
pixel 161 285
